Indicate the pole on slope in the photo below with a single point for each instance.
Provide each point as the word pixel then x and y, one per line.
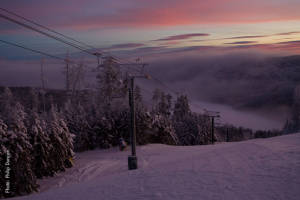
pixel 212 129
pixel 132 159
pixel 212 115
pixel 227 134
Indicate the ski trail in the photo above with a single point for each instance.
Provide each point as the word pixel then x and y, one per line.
pixel 256 169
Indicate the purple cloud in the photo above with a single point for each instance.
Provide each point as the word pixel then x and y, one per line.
pixel 183 36
pixel 261 36
pixel 242 42
pixel 246 37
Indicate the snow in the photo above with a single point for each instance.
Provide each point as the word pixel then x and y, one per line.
pixel 254 169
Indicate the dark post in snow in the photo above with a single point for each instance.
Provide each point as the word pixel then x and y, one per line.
pixel 227 134
pixel 212 129
pixel 132 160
pixel 213 115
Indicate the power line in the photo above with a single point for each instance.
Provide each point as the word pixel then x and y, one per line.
pixel 33 50
pixel 48 29
pixel 59 58
pixel 44 33
pixel 52 36
pixel 63 41
pixel 118 60
pixel 39 52
pixel 51 30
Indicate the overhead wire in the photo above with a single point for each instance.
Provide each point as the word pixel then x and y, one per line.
pixel 119 60
pixel 33 50
pixel 39 52
pixel 47 28
pixel 44 33
pixel 56 32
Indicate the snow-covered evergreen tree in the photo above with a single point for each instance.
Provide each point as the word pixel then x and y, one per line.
pixel 61 139
pixel 162 128
pixel 156 96
pixel 165 104
pixel 296 110
pixel 76 118
pixel 162 103
pixel 181 108
pixel 34 101
pixel 143 126
pixel 16 141
pixel 41 146
pixel 3 156
pixel 163 131
pixel 106 131
pixel 6 101
pixel 191 128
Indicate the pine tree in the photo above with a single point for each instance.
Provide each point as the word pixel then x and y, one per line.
pixel 292 125
pixel 34 101
pixel 61 140
pixel 77 122
pixel 156 95
pixel 3 156
pixel 191 128
pixel 163 131
pixel 41 146
pixel 155 99
pixel 296 111
pixel 181 108
pixel 16 141
pixel 6 101
pixel 165 104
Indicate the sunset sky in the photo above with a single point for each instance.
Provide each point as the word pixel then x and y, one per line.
pixel 188 44
pixel 157 25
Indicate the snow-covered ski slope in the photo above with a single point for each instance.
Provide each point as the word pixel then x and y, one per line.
pixel 259 169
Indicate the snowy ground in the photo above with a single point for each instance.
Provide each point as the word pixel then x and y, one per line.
pixel 256 169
